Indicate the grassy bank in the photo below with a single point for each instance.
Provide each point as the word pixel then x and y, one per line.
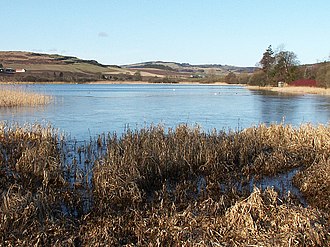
pixel 10 97
pixel 294 90
pixel 164 187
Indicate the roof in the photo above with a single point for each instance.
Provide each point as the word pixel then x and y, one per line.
pixel 304 83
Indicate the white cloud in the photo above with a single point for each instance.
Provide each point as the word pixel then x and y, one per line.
pixel 38 50
pixel 52 50
pixel 102 34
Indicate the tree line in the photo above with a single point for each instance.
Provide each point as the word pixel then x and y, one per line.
pixel 283 66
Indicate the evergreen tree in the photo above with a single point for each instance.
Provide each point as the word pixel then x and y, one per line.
pixel 267 60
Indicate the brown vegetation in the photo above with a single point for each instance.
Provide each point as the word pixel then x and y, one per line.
pixel 10 97
pixel 31 189
pixel 293 90
pixel 166 188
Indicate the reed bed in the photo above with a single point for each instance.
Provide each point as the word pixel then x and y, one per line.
pixel 32 187
pixel 157 187
pixel 293 90
pixel 18 97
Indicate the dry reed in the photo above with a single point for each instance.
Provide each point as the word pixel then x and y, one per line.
pixel 293 90
pixel 32 187
pixel 157 187
pixel 18 97
pixel 186 187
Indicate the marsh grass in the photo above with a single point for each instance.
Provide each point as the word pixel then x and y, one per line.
pixel 32 186
pixel 11 97
pixel 157 187
pixel 294 90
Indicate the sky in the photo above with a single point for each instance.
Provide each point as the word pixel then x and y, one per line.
pixel 232 32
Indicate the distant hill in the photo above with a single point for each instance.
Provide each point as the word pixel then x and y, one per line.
pixel 186 67
pixel 41 67
pixel 53 67
pixel 21 57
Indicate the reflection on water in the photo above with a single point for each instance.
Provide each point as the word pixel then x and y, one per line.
pixel 293 109
pixel 85 110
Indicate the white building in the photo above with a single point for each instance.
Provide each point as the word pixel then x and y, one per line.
pixel 20 70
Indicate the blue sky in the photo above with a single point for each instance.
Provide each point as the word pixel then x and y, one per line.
pixel 198 32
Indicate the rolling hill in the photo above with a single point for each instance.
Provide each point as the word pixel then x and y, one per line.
pixel 186 67
pixel 41 67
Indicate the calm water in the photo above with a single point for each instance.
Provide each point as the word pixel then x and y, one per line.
pixel 87 110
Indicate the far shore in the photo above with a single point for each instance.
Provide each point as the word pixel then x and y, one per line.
pixel 146 82
pixel 293 90
pixel 116 82
pixel 286 89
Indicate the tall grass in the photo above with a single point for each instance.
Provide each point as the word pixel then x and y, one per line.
pixel 32 186
pixel 294 90
pixel 157 187
pixel 10 97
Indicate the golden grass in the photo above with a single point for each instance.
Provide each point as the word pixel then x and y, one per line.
pixel 157 187
pixel 258 220
pixel 32 184
pixel 164 188
pixel 314 183
pixel 294 90
pixel 18 97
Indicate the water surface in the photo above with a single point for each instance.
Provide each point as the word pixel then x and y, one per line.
pixel 83 110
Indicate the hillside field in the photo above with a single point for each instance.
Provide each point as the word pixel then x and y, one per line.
pixel 53 68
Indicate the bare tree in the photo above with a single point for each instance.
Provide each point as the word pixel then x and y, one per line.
pixel 285 65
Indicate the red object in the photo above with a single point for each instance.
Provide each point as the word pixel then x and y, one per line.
pixel 303 83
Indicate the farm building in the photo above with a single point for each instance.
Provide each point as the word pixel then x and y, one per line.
pixel 303 83
pixel 20 70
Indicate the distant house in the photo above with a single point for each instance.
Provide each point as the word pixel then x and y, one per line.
pixel 304 83
pixel 197 76
pixel 20 70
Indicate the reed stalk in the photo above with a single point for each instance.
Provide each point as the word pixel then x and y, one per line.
pixel 175 187
pixel 19 97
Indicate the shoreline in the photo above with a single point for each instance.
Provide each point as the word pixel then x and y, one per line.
pixel 153 83
pixel 285 90
pixel 293 90
pixel 118 82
